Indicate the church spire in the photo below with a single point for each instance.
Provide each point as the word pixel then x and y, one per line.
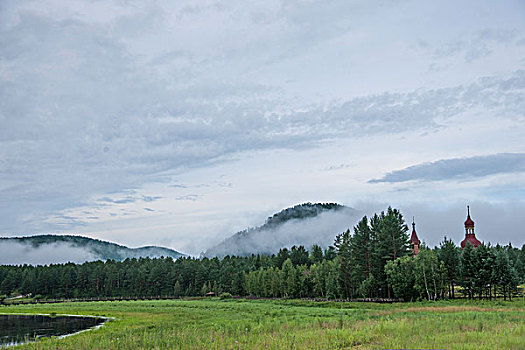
pixel 469 232
pixel 414 240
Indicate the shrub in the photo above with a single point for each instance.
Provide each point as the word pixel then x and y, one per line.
pixel 225 296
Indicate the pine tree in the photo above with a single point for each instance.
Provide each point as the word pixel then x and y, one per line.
pixel 177 289
pixel 483 259
pixel 298 255
pixel 504 275
pixel 449 255
pixel 467 269
pixel 344 254
pixel 388 240
pixel 316 254
pixel 360 246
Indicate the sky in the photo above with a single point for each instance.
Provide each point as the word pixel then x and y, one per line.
pixel 179 123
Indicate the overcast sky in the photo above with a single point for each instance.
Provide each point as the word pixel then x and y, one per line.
pixel 178 123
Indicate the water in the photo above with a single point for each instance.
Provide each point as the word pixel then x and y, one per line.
pixel 16 329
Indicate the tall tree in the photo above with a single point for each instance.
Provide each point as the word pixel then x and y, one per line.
pixel 360 246
pixel 344 254
pixel 400 274
pixel 316 254
pixel 467 269
pixel 389 240
pixel 449 254
pixel 429 274
pixel 298 255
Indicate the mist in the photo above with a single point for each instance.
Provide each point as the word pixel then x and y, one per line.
pixel 15 253
pixel 320 230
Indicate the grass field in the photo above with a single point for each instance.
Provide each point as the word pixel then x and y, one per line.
pixel 291 324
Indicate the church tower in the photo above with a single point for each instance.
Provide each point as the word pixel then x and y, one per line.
pixel 414 240
pixel 469 232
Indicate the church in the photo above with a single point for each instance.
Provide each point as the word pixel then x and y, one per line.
pixel 414 240
pixel 470 236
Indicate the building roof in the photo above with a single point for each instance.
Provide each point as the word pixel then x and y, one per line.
pixel 472 239
pixel 414 239
pixel 470 236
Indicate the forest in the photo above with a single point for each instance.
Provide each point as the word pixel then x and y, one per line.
pixel 374 260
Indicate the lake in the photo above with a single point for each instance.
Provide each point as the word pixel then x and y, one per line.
pixel 23 328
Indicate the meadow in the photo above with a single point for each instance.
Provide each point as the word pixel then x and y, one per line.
pixel 290 324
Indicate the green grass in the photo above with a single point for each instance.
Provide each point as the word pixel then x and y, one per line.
pixel 290 324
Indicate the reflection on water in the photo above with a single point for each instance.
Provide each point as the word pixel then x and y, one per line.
pixel 23 328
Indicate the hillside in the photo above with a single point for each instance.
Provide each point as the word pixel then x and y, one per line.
pixel 304 224
pixel 63 248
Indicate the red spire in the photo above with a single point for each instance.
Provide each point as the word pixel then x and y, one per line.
pixel 469 232
pixel 414 239
pixel 469 222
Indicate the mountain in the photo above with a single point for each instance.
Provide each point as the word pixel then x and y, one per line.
pixel 304 224
pixel 46 249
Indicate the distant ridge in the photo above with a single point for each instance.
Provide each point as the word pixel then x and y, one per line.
pixel 95 248
pixel 303 224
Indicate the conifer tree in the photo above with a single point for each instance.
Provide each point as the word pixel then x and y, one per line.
pixel 316 254
pixel 467 269
pixel 360 247
pixel 177 289
pixel 344 254
pixel 449 254
pixel 483 259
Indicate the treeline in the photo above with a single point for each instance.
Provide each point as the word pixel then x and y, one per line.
pixel 485 272
pixel 372 261
pixel 149 277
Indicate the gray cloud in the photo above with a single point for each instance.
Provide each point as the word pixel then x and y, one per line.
pixel 188 197
pixel 129 199
pixel 457 168
pixel 106 97
pixel 337 167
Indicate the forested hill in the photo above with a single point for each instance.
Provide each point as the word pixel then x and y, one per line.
pixel 62 248
pixel 304 224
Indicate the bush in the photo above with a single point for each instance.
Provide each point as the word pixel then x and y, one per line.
pixel 225 296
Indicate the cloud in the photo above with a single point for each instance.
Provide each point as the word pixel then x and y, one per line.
pixel 150 199
pixel 130 199
pixel 188 197
pixel 459 168
pixel 118 201
pixel 178 186
pixel 100 98
pixel 337 167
